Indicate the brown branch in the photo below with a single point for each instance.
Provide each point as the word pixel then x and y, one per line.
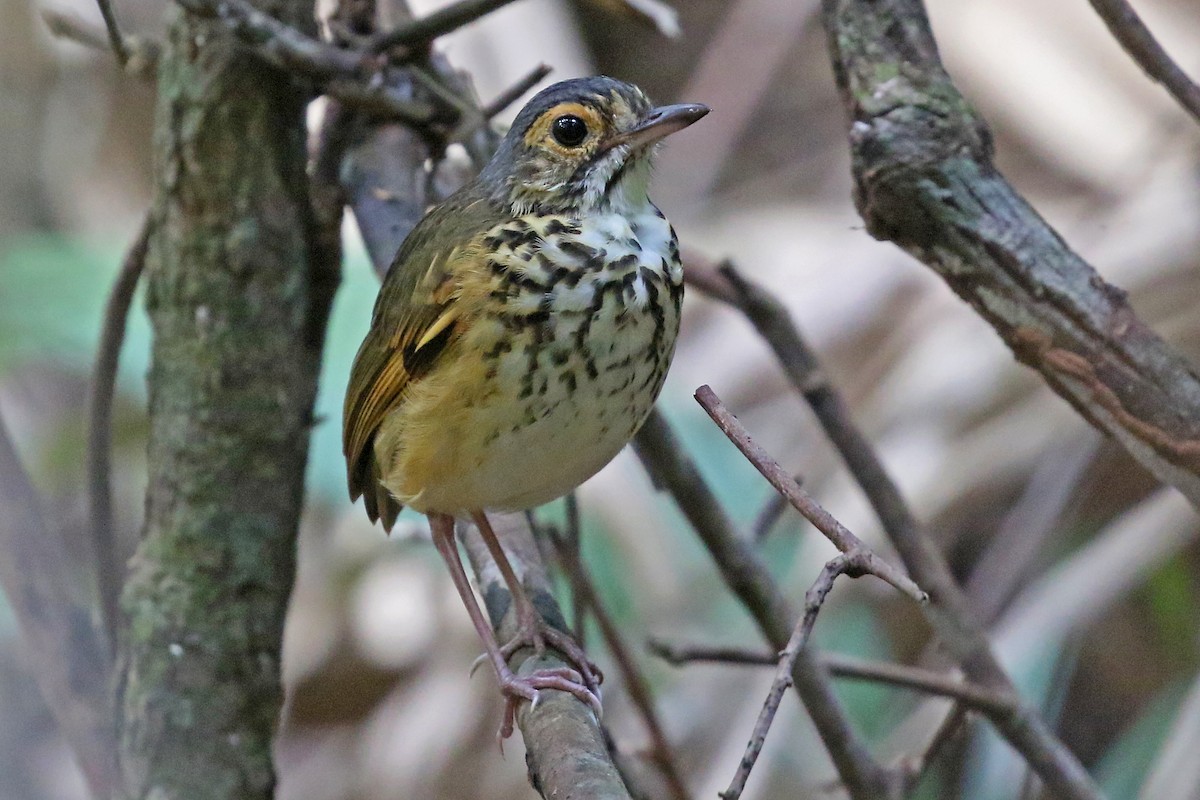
pixel 636 684
pixel 115 39
pixel 1133 35
pixel 948 611
pixel 850 668
pixel 426 29
pixel 353 77
pixel 71 663
pixel 861 560
pixel 141 55
pixel 107 551
pixel 814 598
pixel 671 470
pixel 925 179
pixel 515 92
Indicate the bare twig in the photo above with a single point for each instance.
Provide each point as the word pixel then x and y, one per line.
pixel 426 29
pixel 670 468
pixel 635 682
pixel 115 39
pixel 353 77
pixel 107 550
pixel 915 765
pixel 574 534
pixel 141 54
pixel 1128 29
pixel 841 564
pixel 514 93
pixel 860 558
pixel 850 668
pixel 769 514
pixel 72 664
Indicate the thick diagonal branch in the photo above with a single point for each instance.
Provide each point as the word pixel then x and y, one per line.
pixel 924 179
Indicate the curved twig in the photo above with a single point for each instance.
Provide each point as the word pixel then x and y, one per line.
pixel 106 549
pixel 841 564
pixel 849 668
pixel 860 559
pixel 426 29
pixel 1133 35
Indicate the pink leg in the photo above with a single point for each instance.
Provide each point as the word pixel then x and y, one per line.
pixel 532 629
pixel 513 688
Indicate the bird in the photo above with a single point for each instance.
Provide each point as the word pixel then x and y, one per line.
pixel 519 341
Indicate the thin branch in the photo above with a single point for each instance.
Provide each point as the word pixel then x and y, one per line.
pixel 574 534
pixel 842 564
pixel 850 668
pixel 915 765
pixel 1128 29
pixel 106 549
pixel 666 460
pixel 860 558
pixel 426 29
pixel 635 682
pixel 355 78
pixel 515 92
pixel 141 54
pixel 115 39
pixel 948 611
pixel 769 514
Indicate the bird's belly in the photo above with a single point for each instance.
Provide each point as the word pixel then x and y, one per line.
pixel 562 398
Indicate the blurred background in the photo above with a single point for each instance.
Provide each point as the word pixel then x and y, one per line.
pixel 1087 573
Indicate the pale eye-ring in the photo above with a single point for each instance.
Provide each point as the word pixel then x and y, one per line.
pixel 569 130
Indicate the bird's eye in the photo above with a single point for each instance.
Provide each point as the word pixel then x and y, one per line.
pixel 569 130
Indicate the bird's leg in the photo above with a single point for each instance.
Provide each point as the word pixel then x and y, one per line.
pixel 512 687
pixel 532 628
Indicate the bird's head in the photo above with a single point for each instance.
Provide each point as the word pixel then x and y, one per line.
pixel 582 145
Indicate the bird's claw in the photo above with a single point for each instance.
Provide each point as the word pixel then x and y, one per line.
pixel 528 687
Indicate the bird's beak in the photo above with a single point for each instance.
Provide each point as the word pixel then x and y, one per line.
pixel 660 122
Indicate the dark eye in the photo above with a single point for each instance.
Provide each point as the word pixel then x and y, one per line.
pixel 569 130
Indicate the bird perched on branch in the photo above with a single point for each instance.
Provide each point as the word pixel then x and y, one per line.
pixel 520 339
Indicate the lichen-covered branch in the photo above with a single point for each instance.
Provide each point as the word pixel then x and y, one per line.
pixel 924 179
pixel 239 286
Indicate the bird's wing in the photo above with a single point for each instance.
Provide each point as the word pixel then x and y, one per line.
pixel 416 315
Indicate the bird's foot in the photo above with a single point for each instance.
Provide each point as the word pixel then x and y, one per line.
pixel 564 679
pixel 533 631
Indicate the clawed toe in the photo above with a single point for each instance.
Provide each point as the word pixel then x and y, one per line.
pixel 563 679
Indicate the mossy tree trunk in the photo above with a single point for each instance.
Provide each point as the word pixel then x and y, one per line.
pixel 239 284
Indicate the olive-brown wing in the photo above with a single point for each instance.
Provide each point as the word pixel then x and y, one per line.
pixel 416 315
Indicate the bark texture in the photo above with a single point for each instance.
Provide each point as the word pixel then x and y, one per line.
pixel 924 179
pixel 239 284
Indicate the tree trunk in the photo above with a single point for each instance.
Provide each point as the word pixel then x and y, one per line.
pixel 239 284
